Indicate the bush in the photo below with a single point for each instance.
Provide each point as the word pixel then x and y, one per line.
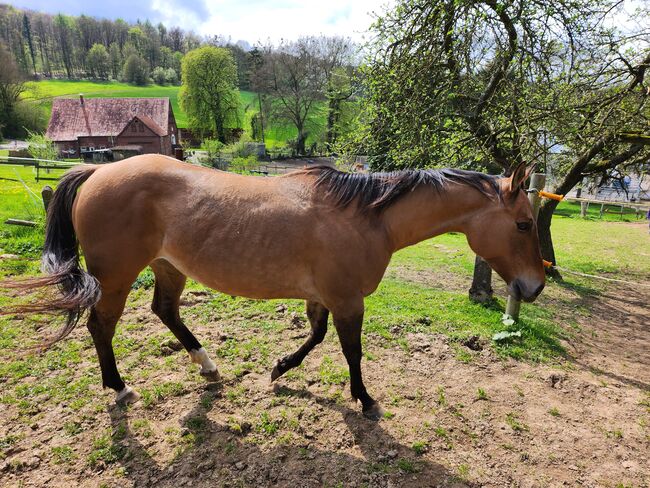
pixel 136 70
pixel 26 117
pixel 213 149
pixel 40 147
pixel 159 76
pixel 171 76
pixel 162 76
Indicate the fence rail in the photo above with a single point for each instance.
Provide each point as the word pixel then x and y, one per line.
pixel 38 164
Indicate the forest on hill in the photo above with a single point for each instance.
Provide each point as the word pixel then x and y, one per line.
pixel 305 90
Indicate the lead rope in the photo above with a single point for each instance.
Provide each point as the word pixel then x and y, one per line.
pixel 600 277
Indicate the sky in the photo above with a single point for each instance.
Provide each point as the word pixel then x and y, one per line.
pixel 250 20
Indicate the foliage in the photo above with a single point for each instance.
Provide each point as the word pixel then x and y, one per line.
pixel 136 70
pixel 506 82
pixel 164 76
pixel 208 93
pixel 300 73
pixel 53 45
pixel 496 74
pixel 41 147
pixel 213 148
pixel 98 62
pixel 11 87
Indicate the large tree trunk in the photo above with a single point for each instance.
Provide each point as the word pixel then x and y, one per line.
pixel 300 143
pixel 333 107
pixel 545 238
pixel 481 290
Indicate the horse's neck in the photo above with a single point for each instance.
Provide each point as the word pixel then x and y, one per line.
pixel 426 213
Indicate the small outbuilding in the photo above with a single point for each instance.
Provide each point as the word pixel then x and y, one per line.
pixel 80 127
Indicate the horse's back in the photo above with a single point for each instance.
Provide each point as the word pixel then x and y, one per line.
pixel 213 226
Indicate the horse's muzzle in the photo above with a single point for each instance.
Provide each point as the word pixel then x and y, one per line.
pixel 519 290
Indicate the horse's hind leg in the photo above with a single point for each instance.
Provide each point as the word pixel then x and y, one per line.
pixel 317 315
pixel 101 324
pixel 166 300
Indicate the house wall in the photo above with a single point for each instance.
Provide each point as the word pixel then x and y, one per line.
pixel 98 142
pixel 172 130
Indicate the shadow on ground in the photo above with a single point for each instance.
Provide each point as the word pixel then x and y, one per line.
pixel 220 456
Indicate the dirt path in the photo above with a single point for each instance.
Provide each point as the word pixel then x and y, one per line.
pixel 584 421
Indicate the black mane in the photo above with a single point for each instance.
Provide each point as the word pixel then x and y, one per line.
pixel 377 191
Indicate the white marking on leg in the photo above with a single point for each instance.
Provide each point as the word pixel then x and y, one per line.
pixel 123 393
pixel 200 356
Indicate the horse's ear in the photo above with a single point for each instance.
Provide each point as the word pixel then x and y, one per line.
pixel 519 176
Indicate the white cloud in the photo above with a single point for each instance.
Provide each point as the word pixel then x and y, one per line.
pixel 260 20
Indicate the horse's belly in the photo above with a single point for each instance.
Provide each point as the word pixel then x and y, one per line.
pixel 248 278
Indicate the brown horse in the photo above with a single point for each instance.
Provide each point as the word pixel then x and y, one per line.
pixel 315 234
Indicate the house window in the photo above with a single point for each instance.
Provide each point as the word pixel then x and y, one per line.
pixel 83 149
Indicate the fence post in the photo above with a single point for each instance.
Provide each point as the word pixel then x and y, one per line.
pixel 537 182
pixel 47 193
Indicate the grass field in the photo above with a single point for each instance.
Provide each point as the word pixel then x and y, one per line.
pixel 277 134
pixel 462 409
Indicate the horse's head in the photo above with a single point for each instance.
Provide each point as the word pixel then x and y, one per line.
pixel 505 235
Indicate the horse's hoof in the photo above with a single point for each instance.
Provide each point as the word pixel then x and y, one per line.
pixel 127 396
pixel 275 374
pixel 212 376
pixel 375 412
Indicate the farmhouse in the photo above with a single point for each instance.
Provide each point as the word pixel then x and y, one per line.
pixel 84 127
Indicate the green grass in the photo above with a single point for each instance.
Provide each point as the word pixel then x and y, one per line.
pixel 276 135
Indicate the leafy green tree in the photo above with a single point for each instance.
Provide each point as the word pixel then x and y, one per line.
pixel 136 70
pixel 115 60
pixel 27 34
pixel 64 28
pixel 11 86
pixel 209 92
pixel 98 62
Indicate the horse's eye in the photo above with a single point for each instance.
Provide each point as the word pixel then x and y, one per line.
pixel 524 226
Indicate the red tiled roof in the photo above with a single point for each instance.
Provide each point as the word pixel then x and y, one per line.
pixel 104 116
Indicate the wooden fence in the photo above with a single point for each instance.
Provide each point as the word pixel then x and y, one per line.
pixel 39 164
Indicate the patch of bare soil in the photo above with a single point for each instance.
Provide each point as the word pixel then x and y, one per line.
pixel 581 422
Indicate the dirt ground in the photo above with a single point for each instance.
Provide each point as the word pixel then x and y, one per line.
pixel 580 421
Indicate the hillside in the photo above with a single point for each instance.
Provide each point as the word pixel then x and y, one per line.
pixel 277 134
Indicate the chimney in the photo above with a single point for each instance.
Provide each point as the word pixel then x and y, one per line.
pixel 83 110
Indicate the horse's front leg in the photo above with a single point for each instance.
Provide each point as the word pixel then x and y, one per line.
pixel 348 327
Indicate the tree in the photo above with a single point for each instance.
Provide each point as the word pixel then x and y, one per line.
pixel 136 70
pixel 40 147
pixel 27 34
pixel 115 60
pixel 336 54
pixel 11 86
pixel 98 62
pixel 296 82
pixel 64 28
pixel 209 92
pixel 477 84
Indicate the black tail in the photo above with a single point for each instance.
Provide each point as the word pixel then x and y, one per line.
pixel 78 289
